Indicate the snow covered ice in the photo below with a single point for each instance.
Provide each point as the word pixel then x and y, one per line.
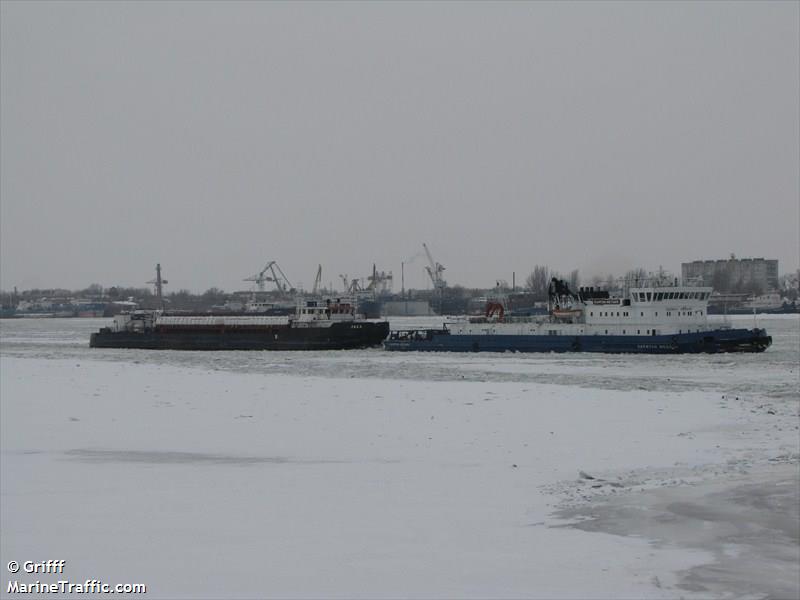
pixel 369 474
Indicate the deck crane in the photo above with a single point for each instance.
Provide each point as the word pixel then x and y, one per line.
pixel 434 270
pixel 278 278
pixel 317 281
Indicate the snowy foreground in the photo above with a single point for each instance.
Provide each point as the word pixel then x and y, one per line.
pixel 208 483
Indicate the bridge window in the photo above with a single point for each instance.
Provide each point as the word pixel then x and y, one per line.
pixel 591 314
pixel 656 313
pixel 642 314
pixel 649 295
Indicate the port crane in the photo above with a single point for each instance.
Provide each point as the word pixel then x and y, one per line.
pixel 317 281
pixel 278 277
pixel 350 286
pixel 379 281
pixel 434 270
pixel 159 284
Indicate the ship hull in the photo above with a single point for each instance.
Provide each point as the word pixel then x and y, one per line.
pixel 721 340
pixel 339 336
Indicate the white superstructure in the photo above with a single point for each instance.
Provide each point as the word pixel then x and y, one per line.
pixel 651 311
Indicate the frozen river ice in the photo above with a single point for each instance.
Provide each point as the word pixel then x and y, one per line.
pixel 373 474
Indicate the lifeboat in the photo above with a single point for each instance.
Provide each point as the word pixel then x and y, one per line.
pixel 567 314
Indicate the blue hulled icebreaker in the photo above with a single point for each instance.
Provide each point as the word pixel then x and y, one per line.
pixel 659 319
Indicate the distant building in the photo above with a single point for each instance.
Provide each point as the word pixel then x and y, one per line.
pixel 756 275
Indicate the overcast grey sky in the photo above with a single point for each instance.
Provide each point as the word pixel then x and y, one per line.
pixel 213 137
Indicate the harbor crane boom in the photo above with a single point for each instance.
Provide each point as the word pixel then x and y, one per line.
pixel 434 270
pixel 350 285
pixel 278 277
pixel 317 281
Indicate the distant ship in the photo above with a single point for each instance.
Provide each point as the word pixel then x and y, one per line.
pixel 743 304
pixel 652 320
pixel 316 325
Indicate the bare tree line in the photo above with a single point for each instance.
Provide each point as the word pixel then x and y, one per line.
pixel 538 281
